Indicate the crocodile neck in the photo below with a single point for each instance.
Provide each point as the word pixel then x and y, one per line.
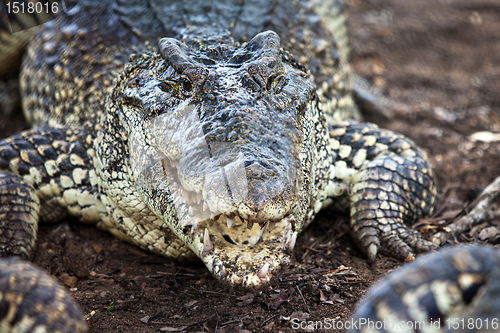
pixel 170 17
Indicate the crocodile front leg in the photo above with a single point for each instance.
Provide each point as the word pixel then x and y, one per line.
pixel 44 175
pixel 19 209
pixel 390 184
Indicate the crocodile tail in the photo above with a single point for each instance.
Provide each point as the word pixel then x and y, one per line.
pixel 371 101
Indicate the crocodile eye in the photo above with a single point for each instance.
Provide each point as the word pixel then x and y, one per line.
pixel 279 83
pixel 186 84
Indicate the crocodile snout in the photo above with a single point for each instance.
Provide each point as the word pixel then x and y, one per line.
pixel 255 191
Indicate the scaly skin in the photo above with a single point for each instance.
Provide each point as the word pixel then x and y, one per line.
pixel 209 147
pixel 32 301
pixel 454 290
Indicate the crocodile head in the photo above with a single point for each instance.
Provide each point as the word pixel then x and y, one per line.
pixel 221 142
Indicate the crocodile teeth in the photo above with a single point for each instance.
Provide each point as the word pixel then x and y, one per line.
pixel 199 197
pixel 287 237
pixel 293 239
pixel 205 206
pixel 271 226
pixel 191 211
pixel 224 271
pixel 174 163
pixel 207 244
pixel 230 222
pixel 259 235
pixel 262 274
pixel 236 279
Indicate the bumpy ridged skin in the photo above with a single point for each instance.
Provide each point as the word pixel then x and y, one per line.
pixel 292 163
pixel 454 290
pixel 46 177
pixel 222 145
pixel 32 301
pixel 392 184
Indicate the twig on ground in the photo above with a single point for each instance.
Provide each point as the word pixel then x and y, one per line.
pixel 480 213
pixel 303 299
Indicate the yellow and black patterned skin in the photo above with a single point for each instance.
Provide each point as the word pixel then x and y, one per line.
pixel 32 301
pixel 206 131
pixel 454 290
pixel 392 186
pixel 206 147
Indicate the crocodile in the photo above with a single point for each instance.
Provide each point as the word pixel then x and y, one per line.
pixel 209 131
pixel 456 289
pixel 33 301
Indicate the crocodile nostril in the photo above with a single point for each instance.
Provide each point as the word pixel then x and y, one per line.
pixel 265 164
pixel 257 170
pixel 262 163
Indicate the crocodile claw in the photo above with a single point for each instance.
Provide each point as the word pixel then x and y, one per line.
pixel 400 242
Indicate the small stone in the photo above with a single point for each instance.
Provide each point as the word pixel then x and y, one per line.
pixel 96 248
pixel 70 281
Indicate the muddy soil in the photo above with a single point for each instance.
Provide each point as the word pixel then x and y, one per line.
pixel 441 59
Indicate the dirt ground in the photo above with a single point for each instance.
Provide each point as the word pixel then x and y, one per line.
pixel 439 58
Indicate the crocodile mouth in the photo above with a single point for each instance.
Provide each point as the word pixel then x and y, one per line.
pixel 238 218
pixel 235 249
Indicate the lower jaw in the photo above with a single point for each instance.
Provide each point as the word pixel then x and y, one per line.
pixel 249 266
